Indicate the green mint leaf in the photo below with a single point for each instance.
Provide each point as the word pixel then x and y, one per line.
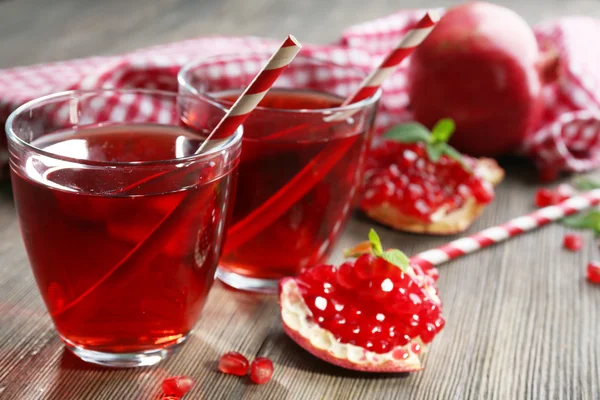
pixel 585 183
pixel 453 153
pixel 409 133
pixel 375 242
pixel 397 258
pixel 588 220
pixel 435 151
pixel 442 130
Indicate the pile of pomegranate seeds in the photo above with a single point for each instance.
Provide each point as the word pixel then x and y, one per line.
pixel 573 242
pixel 233 363
pixel 402 175
pixel 548 197
pixel 371 303
pixel 593 272
pixel 177 386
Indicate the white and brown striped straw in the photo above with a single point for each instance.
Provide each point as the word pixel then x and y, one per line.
pixel 514 227
pixel 256 91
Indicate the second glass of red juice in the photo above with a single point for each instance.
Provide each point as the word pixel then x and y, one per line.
pixel 122 222
pixel 302 161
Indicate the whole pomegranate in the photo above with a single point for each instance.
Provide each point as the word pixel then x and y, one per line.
pixel 481 67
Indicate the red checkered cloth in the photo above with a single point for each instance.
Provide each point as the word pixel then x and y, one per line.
pixel 568 138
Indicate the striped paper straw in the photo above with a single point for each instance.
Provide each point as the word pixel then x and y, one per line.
pixel 507 230
pixel 256 91
pixel 405 47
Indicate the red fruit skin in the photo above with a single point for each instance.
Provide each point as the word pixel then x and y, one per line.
pixel 177 386
pixel 327 357
pixel 331 359
pixel 261 370
pixel 478 67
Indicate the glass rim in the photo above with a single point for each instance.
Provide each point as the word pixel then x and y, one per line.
pixel 63 95
pixel 188 67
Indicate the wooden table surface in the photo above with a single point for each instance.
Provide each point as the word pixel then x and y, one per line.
pixel 522 322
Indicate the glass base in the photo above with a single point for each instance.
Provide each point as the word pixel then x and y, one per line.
pixel 258 285
pixel 124 360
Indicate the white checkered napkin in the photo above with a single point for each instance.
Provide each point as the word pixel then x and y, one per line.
pixel 567 138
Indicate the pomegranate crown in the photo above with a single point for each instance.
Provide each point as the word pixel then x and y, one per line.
pixel 436 140
pixel 373 246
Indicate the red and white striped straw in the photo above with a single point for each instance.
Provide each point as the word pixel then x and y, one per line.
pixel 409 42
pixel 507 230
pixel 256 91
pixel 405 47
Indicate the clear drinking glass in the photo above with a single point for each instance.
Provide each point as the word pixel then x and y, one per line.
pixel 123 224
pixel 302 161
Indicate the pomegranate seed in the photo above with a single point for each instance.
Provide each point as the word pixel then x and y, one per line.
pixel 402 340
pixel 439 323
pixel 593 272
pixel 407 303
pixel 261 370
pixel 346 276
pixel 177 385
pixel 544 198
pixel 363 267
pixel 382 346
pixel 233 363
pixel 415 348
pixel 428 333
pixel 400 354
pixel 573 242
pixel 483 192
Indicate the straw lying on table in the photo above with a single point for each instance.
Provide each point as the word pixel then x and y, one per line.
pixel 307 178
pixel 507 230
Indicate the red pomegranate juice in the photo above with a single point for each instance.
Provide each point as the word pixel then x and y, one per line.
pixel 276 147
pixel 122 271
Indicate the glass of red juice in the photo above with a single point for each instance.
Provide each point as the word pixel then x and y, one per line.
pixel 303 154
pixel 122 222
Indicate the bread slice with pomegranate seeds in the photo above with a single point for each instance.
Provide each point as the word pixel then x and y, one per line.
pixel 443 223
